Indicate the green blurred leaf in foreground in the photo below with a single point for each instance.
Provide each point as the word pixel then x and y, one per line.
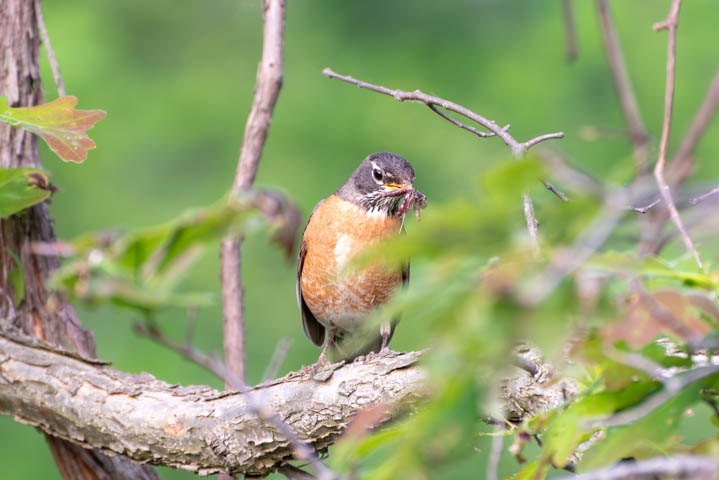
pixel 141 269
pixel 58 123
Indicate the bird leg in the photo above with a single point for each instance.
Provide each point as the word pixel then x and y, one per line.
pixel 330 340
pixel 386 331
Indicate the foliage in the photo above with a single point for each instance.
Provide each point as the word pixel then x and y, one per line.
pixel 142 269
pixel 58 123
pixel 21 188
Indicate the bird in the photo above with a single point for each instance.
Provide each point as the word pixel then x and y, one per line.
pixel 332 295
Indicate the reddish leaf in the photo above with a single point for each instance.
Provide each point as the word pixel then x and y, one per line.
pixel 62 127
pixel 659 313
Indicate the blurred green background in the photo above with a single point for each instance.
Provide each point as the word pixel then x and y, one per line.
pixel 176 79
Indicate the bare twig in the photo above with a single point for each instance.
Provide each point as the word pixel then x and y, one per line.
pixel 518 149
pixel 677 466
pixel 294 473
pixel 48 50
pixel 577 180
pixel 532 224
pixel 267 89
pixel 681 165
pixel 703 197
pixel 555 191
pixel 569 30
pixel 566 261
pixel 622 83
pixel 647 207
pixel 495 453
pixel 302 451
pixel 278 357
pixel 679 168
pixel 670 24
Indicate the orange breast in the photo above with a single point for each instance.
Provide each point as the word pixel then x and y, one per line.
pixel 335 292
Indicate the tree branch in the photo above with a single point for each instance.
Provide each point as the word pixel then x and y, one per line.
pixel 532 224
pixel 670 24
pixel 570 33
pixel 678 466
pixel 622 83
pixel 195 428
pixel 518 149
pixel 267 89
pixel 48 50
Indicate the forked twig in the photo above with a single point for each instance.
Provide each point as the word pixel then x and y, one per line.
pixel 670 24
pixel 518 149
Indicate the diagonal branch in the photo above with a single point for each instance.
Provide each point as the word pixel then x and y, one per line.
pixel 518 149
pixel 267 89
pixel 677 466
pixel 670 24
pixel 48 50
pixel 622 83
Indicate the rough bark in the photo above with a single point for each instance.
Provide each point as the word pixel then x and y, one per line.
pixel 39 312
pixel 205 431
pixel 194 428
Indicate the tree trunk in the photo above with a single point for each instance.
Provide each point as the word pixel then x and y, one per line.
pixel 36 311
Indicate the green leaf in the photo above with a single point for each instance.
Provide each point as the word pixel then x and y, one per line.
pixel 58 123
pixel 21 188
pixel 649 434
pixel 532 471
pixel 142 269
pixel 566 431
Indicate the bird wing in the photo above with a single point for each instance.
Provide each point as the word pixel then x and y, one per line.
pixel 313 329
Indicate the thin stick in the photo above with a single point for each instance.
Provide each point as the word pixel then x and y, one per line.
pixel 670 24
pixel 647 207
pixel 532 224
pixel 681 165
pixel 677 466
pixel 555 191
pixel 679 168
pixel 267 89
pixel 518 149
pixel 278 358
pixel 48 50
pixel 301 450
pixel 495 453
pixel 622 83
pixel 294 473
pixel 701 198
pixel 569 30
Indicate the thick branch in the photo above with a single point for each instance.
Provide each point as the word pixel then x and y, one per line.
pixel 193 428
pixel 205 431
pixel 267 89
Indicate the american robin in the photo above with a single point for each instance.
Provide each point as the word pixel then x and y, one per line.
pixel 369 207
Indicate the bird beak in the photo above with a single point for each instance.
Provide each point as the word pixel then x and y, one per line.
pixel 395 186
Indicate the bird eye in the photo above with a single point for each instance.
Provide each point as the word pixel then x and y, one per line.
pixel 377 174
